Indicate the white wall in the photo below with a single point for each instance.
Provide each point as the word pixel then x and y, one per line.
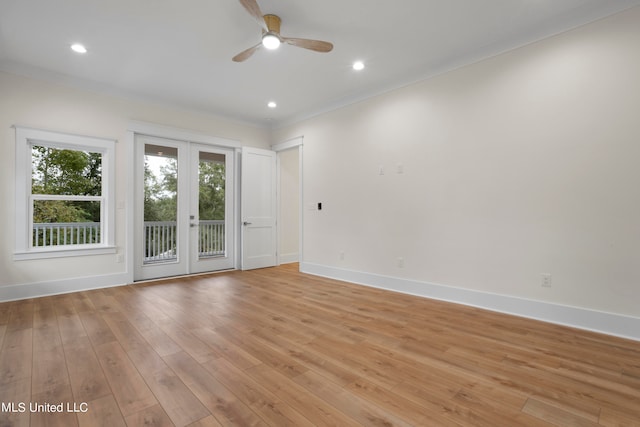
pixel 522 164
pixel 44 105
pixel 289 209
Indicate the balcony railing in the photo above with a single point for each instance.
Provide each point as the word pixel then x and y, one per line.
pixel 160 238
pixel 65 233
pixel 160 241
pixel 211 241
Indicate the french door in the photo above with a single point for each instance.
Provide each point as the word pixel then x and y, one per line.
pixel 184 208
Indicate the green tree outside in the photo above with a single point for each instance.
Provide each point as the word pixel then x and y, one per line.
pixel 70 173
pixel 161 191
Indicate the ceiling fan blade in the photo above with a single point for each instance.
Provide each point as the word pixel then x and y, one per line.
pixel 315 45
pixel 246 54
pixel 254 10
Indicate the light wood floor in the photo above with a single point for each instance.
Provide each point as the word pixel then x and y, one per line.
pixel 274 347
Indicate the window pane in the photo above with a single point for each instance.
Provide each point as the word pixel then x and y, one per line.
pixel 160 204
pixel 62 222
pixel 65 172
pixel 211 205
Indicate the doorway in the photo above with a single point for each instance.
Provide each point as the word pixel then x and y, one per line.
pixel 290 200
pixel 184 208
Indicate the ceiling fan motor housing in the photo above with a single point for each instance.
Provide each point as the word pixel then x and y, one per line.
pixel 273 23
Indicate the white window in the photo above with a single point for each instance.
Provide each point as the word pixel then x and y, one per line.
pixel 64 194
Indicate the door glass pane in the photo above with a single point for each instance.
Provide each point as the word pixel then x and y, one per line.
pixel 160 204
pixel 211 205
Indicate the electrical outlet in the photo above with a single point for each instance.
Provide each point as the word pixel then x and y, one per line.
pixel 341 255
pixel 400 262
pixel 545 280
pixel 119 258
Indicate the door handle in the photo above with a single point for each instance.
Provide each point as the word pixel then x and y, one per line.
pixel 194 224
pixel 246 223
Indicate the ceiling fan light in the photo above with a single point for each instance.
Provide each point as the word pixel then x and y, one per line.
pixel 78 48
pixel 270 41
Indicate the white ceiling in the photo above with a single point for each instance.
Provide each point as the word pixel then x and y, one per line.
pixel 179 52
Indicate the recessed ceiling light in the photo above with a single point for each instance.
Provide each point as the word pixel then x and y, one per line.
pixel 78 48
pixel 272 104
pixel 358 65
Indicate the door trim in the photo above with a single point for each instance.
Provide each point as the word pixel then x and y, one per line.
pixel 169 132
pixel 294 143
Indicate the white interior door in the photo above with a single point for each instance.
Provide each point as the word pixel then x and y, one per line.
pixel 184 208
pixel 258 208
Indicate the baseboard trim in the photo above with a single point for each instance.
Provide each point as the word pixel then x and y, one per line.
pixel 581 318
pixel 289 258
pixel 64 286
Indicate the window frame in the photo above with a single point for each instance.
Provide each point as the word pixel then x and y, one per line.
pixel 26 138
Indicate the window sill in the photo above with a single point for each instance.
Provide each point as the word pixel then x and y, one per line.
pixel 63 253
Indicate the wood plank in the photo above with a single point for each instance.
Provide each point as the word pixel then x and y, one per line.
pixel 16 393
pixel 3 330
pixel 301 399
pixel 310 358
pixel 20 315
pixel 102 412
pixel 63 304
pixel 82 303
pixel 97 329
pixel 180 404
pixel 16 357
pixel 188 341
pixel 209 421
pixel 226 349
pixel 347 402
pixel 128 336
pixel 60 395
pixel 261 400
pixel 555 415
pixel 611 418
pixel 277 347
pixel 71 328
pixel 101 301
pixel 129 389
pixel 88 382
pixel 5 311
pixel 270 355
pixel 49 363
pixel 386 399
pixel 154 416
pixel 220 401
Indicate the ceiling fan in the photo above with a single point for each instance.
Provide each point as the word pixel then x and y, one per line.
pixel 271 37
